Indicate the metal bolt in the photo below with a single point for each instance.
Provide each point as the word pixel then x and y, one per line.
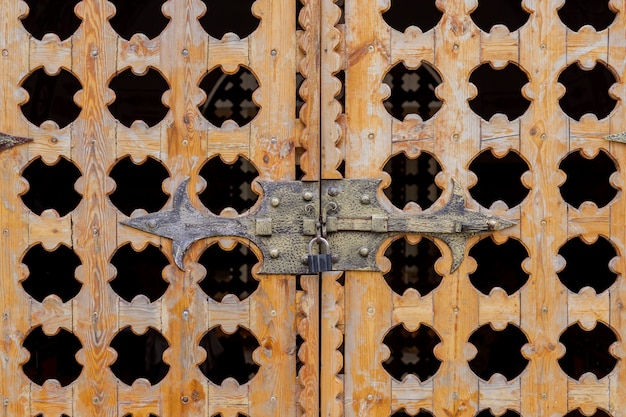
pixel 370 136
pixel 543 46
pixel 95 231
pixel 308 196
pixel 455 136
pixel 364 251
pixel 275 201
pixel 333 191
pixel 5 52
pixel 94 53
pixel 544 136
pixel 185 142
pixel 94 315
pixel 5 232
pixel 95 400
pixel 273 399
pixel 455 395
pixel 304 260
pixel 185 315
pixel 365 199
pixel 334 257
pixel 185 52
pixel 456 310
pixel 455 47
pixel 273 141
pixel 543 222
pixel 53 140
pixel 370 310
pixel 370 397
pixel 274 253
pixel 6 402
pixel 184 399
pixel 273 313
pixel 544 395
pixel 273 52
pixel 152 223
pixel 544 310
pixel 371 48
pixel 491 224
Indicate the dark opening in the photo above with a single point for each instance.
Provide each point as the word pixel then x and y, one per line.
pixel 139 356
pixel 51 16
pixel 499 91
pixel 139 272
pixel 404 13
pixel 588 179
pixel 412 91
pixel 499 351
pixel 498 178
pixel 587 91
pixel 51 97
pixel 509 13
pixel 229 96
pixel 138 17
pixel 412 180
pixel 138 186
pixel 138 97
pixel 499 265
pixel 578 13
pixel 228 185
pixel 578 413
pixel 229 16
pixel 229 355
pixel 403 413
pixel 411 352
pixel 51 186
pixel 489 413
pixel 587 265
pixel 52 357
pixel 51 272
pixel 587 351
pixel 228 272
pixel 413 266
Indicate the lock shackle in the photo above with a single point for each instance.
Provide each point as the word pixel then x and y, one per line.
pixel 319 239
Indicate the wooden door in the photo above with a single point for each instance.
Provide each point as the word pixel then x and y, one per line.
pixel 124 102
pixel 513 100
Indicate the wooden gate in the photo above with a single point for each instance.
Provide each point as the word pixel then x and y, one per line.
pixel 512 100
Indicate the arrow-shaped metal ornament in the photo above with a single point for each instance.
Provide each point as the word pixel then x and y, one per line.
pixel 283 224
pixel 9 141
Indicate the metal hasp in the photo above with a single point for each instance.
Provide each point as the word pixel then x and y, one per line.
pixel 350 216
pixel 357 223
pixel 9 141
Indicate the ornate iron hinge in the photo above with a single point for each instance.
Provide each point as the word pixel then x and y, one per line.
pixel 9 141
pixel 349 215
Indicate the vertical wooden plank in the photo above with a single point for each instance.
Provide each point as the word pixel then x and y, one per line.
pixel 331 360
pixel 94 226
pixel 308 327
pixel 14 385
pixel 544 133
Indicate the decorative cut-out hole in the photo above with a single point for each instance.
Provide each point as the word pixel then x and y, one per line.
pixel 149 415
pixel 139 272
pixel 229 96
pixel 413 266
pixel 229 16
pixel 587 265
pixel 139 356
pixel 412 91
pixel 587 351
pixel 229 355
pixel 499 351
pixel 52 357
pixel 228 185
pixel 51 273
pixel 411 352
pixel 413 180
pixel 138 186
pixel 228 272
pixel 587 91
pixel 404 13
pixel 51 16
pixel 489 413
pixel 133 17
pixel 588 179
pixel 51 186
pixel 220 415
pixel 499 91
pixel 578 413
pixel 51 97
pixel 578 13
pixel 498 178
pixel 499 265
pixel 509 13
pixel 403 413
pixel 138 97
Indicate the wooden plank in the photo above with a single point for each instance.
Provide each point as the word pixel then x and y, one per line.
pixel 331 360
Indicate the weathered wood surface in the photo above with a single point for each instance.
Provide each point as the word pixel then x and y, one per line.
pixel 183 141
pixel 363 134
pixel 543 136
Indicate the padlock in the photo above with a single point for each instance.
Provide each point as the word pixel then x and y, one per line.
pixel 321 262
